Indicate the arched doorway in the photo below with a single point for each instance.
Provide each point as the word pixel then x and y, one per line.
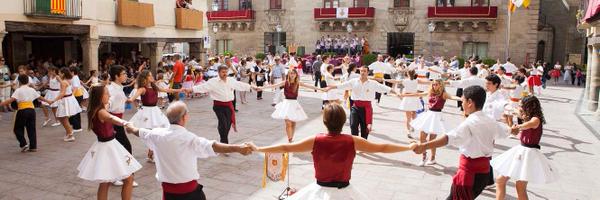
pixel 541 48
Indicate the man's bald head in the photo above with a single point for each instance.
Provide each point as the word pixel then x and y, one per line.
pixel 176 112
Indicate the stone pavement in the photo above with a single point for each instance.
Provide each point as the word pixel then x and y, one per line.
pixel 51 172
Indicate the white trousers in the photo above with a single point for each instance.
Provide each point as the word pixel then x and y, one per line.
pixel 277 96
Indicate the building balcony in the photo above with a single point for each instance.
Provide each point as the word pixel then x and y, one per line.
pixel 188 19
pixel 132 13
pixel 55 9
pixel 457 18
pixel 334 19
pixel 231 19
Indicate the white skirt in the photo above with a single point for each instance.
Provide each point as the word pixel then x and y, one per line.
pixel 139 98
pixel 86 95
pixel 289 109
pixel 149 117
pixel 429 122
pixel 51 95
pixel 525 164
pixel 162 95
pixel 67 106
pixel 410 104
pixel 107 162
pixel 333 94
pixel 317 192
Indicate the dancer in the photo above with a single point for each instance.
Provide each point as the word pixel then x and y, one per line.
pixel 80 95
pixel 410 104
pixel 474 138
pixel 363 93
pixel 106 161
pixel 188 82
pixel 431 123
pixel 221 91
pixel 177 153
pixel 289 109
pixel 68 108
pixel 149 115
pixel 25 117
pixel 496 100
pixel 333 156
pixel 333 95
pixel 162 96
pixel 116 107
pixel 51 93
pixel 525 163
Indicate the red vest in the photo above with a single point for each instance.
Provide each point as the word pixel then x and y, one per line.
pixel 333 155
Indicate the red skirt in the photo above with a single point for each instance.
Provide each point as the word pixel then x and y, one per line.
pixel 534 80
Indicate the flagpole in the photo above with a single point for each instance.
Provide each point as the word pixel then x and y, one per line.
pixel 506 53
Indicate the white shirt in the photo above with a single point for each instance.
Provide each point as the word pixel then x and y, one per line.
pixel 176 152
pixel 464 83
pixel 323 68
pixel 475 136
pixel 364 91
pixel 381 67
pixel 116 102
pixel 75 82
pixel 220 90
pixel 25 94
pixel 494 104
pixel 510 68
pixel 435 72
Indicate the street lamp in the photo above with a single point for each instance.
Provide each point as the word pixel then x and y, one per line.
pixel 278 29
pixel 349 29
pixel 431 28
pixel 215 29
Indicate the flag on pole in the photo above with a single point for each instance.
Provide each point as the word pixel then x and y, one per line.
pixel 514 4
pixel 57 6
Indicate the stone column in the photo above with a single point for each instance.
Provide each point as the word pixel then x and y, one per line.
pixel 90 48
pixel 588 71
pixel 2 34
pixel 595 79
pixel 155 54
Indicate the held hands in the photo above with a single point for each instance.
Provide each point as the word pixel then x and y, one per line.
pixel 514 130
pixel 247 148
pixel 130 128
pixel 419 148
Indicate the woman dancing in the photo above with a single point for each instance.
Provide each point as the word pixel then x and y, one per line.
pixel 525 162
pixel 289 109
pixel 68 108
pixel 333 155
pixel 107 160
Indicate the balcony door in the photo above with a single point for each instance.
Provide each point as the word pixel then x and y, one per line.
pixel 401 43
pixel 220 5
pixel 275 42
pixel 245 4
pixel 331 3
pixel 361 3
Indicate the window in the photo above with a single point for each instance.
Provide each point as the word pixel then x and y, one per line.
pixel 220 5
pixel 275 5
pixel 223 45
pixel 401 3
pixel 361 3
pixel 480 2
pixel 245 4
pixel 472 49
pixel 331 3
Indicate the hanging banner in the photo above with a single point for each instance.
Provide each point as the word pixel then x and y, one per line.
pixel 341 13
pixel 206 42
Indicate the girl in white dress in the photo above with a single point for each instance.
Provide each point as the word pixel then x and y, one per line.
pixel 333 95
pixel 107 160
pixel 67 104
pixel 162 96
pixel 525 162
pixel 51 93
pixel 289 109
pixel 410 104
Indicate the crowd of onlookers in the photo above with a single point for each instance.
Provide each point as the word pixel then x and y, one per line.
pixel 342 45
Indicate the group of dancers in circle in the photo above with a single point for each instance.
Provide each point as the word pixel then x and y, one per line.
pixel 488 105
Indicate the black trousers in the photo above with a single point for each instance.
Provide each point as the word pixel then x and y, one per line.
pixel 174 96
pixel 75 121
pixel 197 194
pixel 387 76
pixel 234 100
pixel 459 93
pixel 481 181
pixel 224 125
pixel 259 84
pixel 25 119
pixel 318 79
pixel 358 118
pixel 121 136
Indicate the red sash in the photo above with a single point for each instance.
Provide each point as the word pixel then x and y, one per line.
pixel 180 188
pixel 368 110
pixel 228 104
pixel 508 74
pixel 462 182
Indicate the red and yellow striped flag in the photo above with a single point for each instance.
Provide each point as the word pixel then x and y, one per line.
pixel 57 6
pixel 511 6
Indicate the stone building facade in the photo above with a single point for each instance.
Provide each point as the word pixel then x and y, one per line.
pixel 85 29
pixel 461 29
